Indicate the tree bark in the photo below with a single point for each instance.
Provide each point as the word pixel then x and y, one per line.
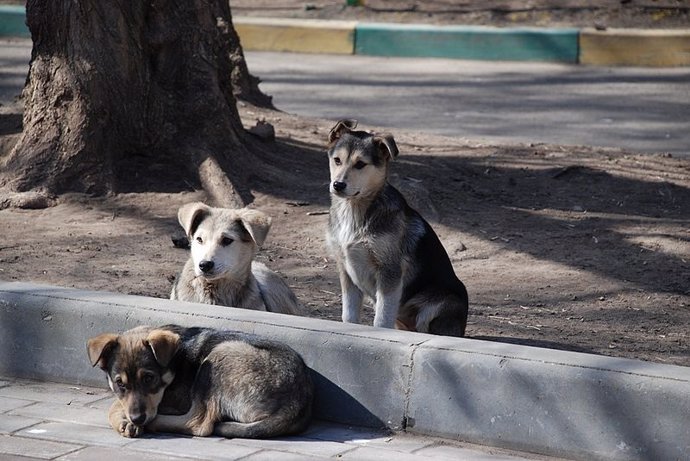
pixel 133 96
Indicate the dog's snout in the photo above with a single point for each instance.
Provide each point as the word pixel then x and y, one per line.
pixel 206 266
pixel 339 186
pixel 137 418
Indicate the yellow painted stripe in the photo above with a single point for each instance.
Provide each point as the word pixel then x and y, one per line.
pixel 635 47
pixel 301 36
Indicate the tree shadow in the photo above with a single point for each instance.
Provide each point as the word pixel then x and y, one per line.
pixel 560 210
pixel 10 124
pixel 513 193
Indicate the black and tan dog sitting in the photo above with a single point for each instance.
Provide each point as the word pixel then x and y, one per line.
pixel 386 250
pixel 201 381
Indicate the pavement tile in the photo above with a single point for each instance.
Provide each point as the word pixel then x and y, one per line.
pixel 403 443
pixel 103 403
pixel 270 455
pixel 78 414
pixel 59 393
pixel 434 452
pixel 196 447
pixel 76 433
pixel 377 454
pixel 17 458
pixel 32 448
pixel 460 453
pixel 7 404
pixel 10 423
pixel 323 430
pixel 302 445
pixel 119 454
pixel 79 431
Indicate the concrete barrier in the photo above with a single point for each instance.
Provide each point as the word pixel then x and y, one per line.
pixel 614 47
pixel 13 21
pixel 294 35
pixel 635 47
pixel 551 402
pixel 467 42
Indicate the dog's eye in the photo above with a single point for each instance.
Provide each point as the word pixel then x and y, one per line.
pixel 226 241
pixel 119 383
pixel 359 165
pixel 200 240
pixel 336 160
pixel 147 380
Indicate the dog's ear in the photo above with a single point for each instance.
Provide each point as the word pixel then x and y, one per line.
pixel 164 345
pixel 343 126
pixel 100 348
pixel 256 223
pixel 191 215
pixel 386 145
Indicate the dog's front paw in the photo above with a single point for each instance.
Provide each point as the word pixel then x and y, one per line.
pixel 127 429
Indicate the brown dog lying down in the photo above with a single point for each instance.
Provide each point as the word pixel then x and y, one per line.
pixel 201 381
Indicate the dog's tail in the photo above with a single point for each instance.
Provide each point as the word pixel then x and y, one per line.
pixel 276 425
pixel 277 295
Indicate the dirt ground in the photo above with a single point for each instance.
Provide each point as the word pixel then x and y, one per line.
pixel 542 13
pixel 563 247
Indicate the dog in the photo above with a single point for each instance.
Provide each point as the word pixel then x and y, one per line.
pixel 221 269
pixel 201 382
pixel 383 248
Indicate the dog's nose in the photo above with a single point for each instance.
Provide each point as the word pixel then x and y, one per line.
pixel 137 418
pixel 339 186
pixel 206 266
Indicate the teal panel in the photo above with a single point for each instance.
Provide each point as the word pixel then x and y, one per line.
pixel 467 42
pixel 13 21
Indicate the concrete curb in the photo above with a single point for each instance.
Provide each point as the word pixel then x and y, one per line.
pixel 614 47
pixel 299 36
pixel 467 42
pixel 543 401
pixel 635 47
pixel 13 21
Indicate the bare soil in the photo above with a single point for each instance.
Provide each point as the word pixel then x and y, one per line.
pixel 541 13
pixel 659 14
pixel 562 247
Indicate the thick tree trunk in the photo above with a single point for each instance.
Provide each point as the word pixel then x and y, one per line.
pixel 245 86
pixel 133 96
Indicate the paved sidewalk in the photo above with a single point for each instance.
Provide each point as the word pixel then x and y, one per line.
pixel 41 420
pixel 486 393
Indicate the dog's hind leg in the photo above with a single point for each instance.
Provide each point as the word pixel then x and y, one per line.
pixel 285 422
pixel 174 424
pixel 450 318
pixel 198 421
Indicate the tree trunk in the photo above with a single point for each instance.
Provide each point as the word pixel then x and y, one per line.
pixel 133 96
